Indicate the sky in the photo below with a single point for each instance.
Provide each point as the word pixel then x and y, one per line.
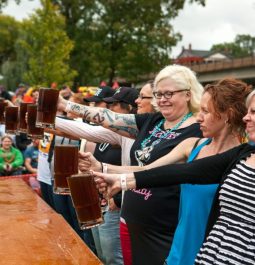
pixel 219 21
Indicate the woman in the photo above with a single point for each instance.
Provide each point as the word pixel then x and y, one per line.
pixel 221 102
pixel 145 226
pixel 231 225
pixel 11 159
pixel 100 134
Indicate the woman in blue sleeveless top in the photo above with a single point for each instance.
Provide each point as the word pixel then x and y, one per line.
pixel 221 127
pixel 195 205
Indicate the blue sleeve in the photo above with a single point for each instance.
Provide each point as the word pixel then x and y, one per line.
pixel 28 153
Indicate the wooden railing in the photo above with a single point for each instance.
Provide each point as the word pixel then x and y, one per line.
pixel 223 65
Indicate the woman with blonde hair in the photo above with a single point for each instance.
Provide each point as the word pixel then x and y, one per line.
pixel 149 216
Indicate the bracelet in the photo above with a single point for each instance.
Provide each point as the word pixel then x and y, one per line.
pixel 104 167
pixel 123 181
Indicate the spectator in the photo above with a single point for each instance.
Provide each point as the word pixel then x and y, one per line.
pixel 31 96
pixel 11 158
pixel 22 141
pixel 5 94
pixel 66 92
pixel 19 94
pixel 43 173
pixel 31 156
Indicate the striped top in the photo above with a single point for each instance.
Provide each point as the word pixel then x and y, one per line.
pixel 232 239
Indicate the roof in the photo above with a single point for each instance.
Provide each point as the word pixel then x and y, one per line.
pixel 194 53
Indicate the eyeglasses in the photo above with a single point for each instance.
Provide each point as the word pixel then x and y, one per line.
pixel 143 97
pixel 167 94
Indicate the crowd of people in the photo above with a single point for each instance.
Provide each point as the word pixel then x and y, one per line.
pixel 175 160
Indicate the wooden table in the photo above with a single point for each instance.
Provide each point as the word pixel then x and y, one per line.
pixel 32 233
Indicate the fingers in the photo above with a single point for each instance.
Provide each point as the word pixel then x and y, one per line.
pixel 98 175
pixel 84 163
pixel 84 154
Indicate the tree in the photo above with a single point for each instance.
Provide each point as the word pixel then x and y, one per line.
pixel 120 38
pixel 9 29
pixel 43 41
pixel 243 45
pixel 124 38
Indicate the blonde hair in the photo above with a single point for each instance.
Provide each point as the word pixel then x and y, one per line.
pixel 185 79
pixel 249 98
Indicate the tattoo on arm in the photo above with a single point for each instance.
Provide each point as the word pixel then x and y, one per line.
pixel 79 109
pixel 131 131
pixel 99 119
pixel 86 115
pixel 105 117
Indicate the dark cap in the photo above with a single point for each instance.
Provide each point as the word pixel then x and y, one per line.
pixel 101 92
pixel 124 94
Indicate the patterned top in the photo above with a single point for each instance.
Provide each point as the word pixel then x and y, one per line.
pixel 232 239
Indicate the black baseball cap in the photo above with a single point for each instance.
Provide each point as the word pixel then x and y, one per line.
pixel 124 94
pixel 101 92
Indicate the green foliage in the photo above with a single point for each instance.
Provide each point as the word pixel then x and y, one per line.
pixel 10 74
pixel 9 29
pixel 45 45
pixel 111 38
pixel 120 38
pixel 243 45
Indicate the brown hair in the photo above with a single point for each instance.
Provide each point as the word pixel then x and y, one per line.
pixel 6 136
pixel 229 95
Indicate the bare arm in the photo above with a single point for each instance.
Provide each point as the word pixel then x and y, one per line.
pixel 29 167
pixel 179 154
pixel 123 124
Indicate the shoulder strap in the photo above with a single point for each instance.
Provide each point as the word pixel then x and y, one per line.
pixel 196 149
pixel 195 145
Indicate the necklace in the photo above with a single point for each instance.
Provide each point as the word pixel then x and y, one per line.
pixel 156 129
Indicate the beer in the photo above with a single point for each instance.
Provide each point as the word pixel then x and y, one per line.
pixel 65 165
pixel 85 200
pixel 2 110
pixel 32 130
pixel 11 119
pixel 47 107
pixel 22 127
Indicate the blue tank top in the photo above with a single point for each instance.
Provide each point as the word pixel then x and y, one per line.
pixel 195 206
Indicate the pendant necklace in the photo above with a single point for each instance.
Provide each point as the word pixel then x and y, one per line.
pixel 156 129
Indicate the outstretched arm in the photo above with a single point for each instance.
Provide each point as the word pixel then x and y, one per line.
pixel 207 170
pixel 179 154
pixel 60 133
pixel 123 124
pixel 92 133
